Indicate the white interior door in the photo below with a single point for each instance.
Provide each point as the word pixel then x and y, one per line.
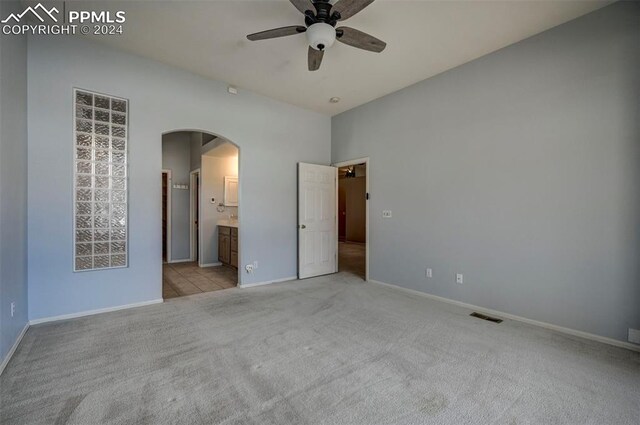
pixel 317 224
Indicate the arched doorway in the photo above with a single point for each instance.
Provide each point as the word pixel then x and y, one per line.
pixel 200 212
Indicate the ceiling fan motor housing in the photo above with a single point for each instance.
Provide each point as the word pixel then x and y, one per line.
pixel 321 18
pixel 321 36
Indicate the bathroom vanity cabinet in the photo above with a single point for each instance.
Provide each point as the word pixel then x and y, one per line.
pixel 228 245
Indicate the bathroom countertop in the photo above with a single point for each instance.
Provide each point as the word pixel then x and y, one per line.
pixel 228 223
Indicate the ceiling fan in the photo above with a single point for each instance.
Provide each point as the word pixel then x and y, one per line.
pixel 320 18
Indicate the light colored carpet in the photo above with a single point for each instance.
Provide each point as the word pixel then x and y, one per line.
pixel 331 350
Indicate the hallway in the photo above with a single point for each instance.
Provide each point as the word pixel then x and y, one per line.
pixel 351 258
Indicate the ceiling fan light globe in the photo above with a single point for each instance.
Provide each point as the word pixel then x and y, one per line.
pixel 321 36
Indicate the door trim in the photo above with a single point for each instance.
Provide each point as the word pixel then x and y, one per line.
pixel 169 184
pixel 192 217
pixel 367 163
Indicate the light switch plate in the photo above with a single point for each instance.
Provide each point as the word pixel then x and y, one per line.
pixel 634 335
pixel 429 273
pixel 386 214
pixel 459 278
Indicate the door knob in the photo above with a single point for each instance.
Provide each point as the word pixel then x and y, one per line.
pixel 302 226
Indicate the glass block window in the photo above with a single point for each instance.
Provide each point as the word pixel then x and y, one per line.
pixel 100 181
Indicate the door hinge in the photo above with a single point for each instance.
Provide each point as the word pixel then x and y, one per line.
pixel 367 196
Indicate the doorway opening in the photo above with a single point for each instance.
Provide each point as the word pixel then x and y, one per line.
pixel 194 215
pixel 353 217
pixel 198 209
pixel 166 216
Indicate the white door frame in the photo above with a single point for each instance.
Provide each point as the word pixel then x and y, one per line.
pixel 192 217
pixel 169 184
pixel 365 161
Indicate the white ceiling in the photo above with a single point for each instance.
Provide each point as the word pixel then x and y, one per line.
pixel 423 39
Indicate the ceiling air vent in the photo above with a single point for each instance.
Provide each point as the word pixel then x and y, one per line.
pixel 485 317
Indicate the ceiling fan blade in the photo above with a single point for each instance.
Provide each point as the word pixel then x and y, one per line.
pixel 359 39
pixel 277 32
pixel 348 8
pixel 303 5
pixel 315 58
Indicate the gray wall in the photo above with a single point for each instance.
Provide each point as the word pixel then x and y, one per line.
pixel 196 150
pixel 176 156
pixel 272 136
pixel 13 183
pixel 521 170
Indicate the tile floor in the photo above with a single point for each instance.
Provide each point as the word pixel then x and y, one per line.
pixel 351 258
pixel 179 279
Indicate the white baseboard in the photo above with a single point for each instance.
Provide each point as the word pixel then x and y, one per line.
pixel 5 362
pixel 568 331
pixel 211 264
pixel 186 260
pixel 92 312
pixel 285 279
